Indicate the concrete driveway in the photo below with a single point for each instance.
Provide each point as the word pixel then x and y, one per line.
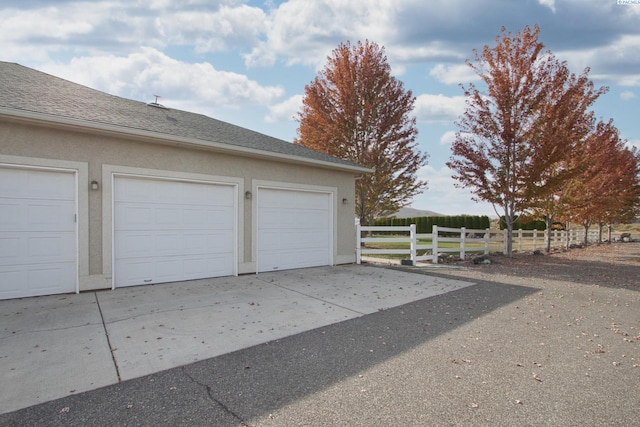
pixel 55 346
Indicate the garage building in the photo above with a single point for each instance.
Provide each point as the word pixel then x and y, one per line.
pixel 99 192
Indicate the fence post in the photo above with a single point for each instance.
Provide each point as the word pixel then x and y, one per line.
pixel 535 234
pixel 412 232
pixel 358 244
pixel 434 243
pixel 487 239
pixel 463 236
pixel 520 240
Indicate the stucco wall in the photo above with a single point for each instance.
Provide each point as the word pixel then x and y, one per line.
pixel 101 153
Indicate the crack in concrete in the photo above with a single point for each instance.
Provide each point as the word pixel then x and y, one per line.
pixel 106 333
pixel 213 399
pixel 135 316
pixel 35 331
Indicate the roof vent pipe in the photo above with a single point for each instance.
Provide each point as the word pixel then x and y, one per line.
pixel 155 103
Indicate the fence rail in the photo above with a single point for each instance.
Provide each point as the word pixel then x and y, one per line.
pixel 457 240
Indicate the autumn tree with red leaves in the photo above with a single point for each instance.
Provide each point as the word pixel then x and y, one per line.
pixel 607 189
pixel 354 109
pixel 564 126
pixel 515 135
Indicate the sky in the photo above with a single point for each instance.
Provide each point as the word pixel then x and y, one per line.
pixel 247 62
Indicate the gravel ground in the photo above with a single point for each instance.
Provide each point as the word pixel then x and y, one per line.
pixel 611 265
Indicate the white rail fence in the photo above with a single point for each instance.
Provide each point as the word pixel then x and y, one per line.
pixel 407 241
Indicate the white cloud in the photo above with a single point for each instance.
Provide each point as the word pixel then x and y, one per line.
pixel 616 62
pixel 213 31
pixel 426 52
pixel 627 95
pixel 148 72
pixel 285 111
pixel 453 74
pixel 89 28
pixel 439 108
pixel 37 23
pixel 551 4
pixel 448 137
pixel 305 31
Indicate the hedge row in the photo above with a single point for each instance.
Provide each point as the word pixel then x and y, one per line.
pixel 531 225
pixel 424 224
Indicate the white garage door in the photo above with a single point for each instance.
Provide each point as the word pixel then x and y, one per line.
pixel 167 231
pixel 294 229
pixel 37 232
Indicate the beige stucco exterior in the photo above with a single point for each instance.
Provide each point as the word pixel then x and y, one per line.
pixel 98 154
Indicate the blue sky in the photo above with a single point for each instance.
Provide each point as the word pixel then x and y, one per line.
pixel 247 62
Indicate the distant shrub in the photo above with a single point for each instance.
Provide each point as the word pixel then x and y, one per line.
pixel 424 224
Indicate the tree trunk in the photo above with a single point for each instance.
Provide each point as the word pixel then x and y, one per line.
pixel 509 219
pixel 586 233
pixel 600 227
pixel 549 222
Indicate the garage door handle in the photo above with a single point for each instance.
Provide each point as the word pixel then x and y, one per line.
pixel 147 280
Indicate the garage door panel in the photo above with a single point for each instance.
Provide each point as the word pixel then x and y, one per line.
pixel 314 220
pixel 51 247
pixel 135 190
pixel 180 231
pixel 47 185
pixel 294 229
pixel 10 215
pixel 221 218
pixel 291 199
pixel 168 217
pixel 195 217
pixel 145 244
pixel 27 215
pixel 132 243
pixel 51 216
pixel 220 241
pixel 36 184
pixel 134 217
pixel 48 278
pixel 10 248
pixel 133 272
pixel 38 244
pixel 165 244
pixel 168 269
pixel 14 282
pixel 298 218
pixel 194 244
pixel 293 240
pixel 282 260
pixel 220 195
pixel 26 280
pixel 305 241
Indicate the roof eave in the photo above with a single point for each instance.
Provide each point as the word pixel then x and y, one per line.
pixel 161 138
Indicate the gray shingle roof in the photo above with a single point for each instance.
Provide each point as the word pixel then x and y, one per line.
pixel 29 90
